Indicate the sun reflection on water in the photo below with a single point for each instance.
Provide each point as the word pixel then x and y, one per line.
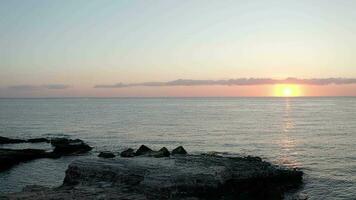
pixel 287 142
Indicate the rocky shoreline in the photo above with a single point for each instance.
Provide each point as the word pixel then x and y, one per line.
pixel 62 147
pixel 163 174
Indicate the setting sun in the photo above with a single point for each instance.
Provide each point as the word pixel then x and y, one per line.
pixel 287 90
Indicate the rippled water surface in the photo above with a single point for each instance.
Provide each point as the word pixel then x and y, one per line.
pixel 317 135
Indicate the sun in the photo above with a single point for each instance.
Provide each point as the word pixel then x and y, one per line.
pixel 287 90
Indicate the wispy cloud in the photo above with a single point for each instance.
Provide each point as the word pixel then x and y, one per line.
pixel 38 87
pixel 239 81
pixel 56 86
pixel 23 87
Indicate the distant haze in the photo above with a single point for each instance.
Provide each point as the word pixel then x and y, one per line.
pixel 176 48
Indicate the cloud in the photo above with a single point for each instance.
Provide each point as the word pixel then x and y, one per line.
pixel 38 87
pixel 23 87
pixel 118 85
pixel 238 82
pixel 56 86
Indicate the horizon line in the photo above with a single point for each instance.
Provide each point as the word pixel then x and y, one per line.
pixel 172 97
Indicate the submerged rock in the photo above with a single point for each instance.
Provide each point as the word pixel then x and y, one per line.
pixel 143 150
pixel 181 177
pixel 64 146
pixel 5 140
pixel 106 154
pixel 128 153
pixel 179 150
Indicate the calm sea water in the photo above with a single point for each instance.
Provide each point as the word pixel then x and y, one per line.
pixel 317 135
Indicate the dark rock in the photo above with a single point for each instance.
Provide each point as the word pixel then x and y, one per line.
pixel 34 188
pixel 64 146
pixel 82 193
pixel 143 150
pixel 62 141
pixel 179 150
pixel 181 177
pixel 163 152
pixel 211 153
pixel 203 177
pixel 11 157
pixel 5 140
pixel 128 153
pixel 300 196
pixel 38 140
pixel 253 158
pixel 106 155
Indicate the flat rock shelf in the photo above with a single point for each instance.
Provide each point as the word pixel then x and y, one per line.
pixel 176 177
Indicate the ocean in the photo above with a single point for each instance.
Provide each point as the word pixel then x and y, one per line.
pixel 314 134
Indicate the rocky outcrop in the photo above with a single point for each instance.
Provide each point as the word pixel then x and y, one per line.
pixel 128 153
pixel 62 147
pixel 179 150
pixel 143 150
pixel 77 193
pixel 146 151
pixel 179 177
pixel 38 140
pixel 5 140
pixel 11 157
pixel 106 154
pixel 163 152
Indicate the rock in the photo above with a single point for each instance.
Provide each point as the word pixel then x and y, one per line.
pixel 179 150
pixel 253 158
pixel 188 176
pixel 11 157
pixel 299 196
pixel 5 140
pixel 64 146
pixel 211 153
pixel 34 188
pixel 163 152
pixel 79 193
pixel 181 177
pixel 128 153
pixel 303 197
pixel 38 140
pixel 106 155
pixel 143 150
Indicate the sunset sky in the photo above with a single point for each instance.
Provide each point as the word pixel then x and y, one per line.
pixel 177 48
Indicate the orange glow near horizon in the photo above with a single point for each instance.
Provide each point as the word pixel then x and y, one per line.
pixel 287 90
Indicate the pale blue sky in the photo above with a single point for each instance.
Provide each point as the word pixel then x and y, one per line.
pixel 84 43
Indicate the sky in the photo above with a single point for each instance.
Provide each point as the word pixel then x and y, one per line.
pixel 62 48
